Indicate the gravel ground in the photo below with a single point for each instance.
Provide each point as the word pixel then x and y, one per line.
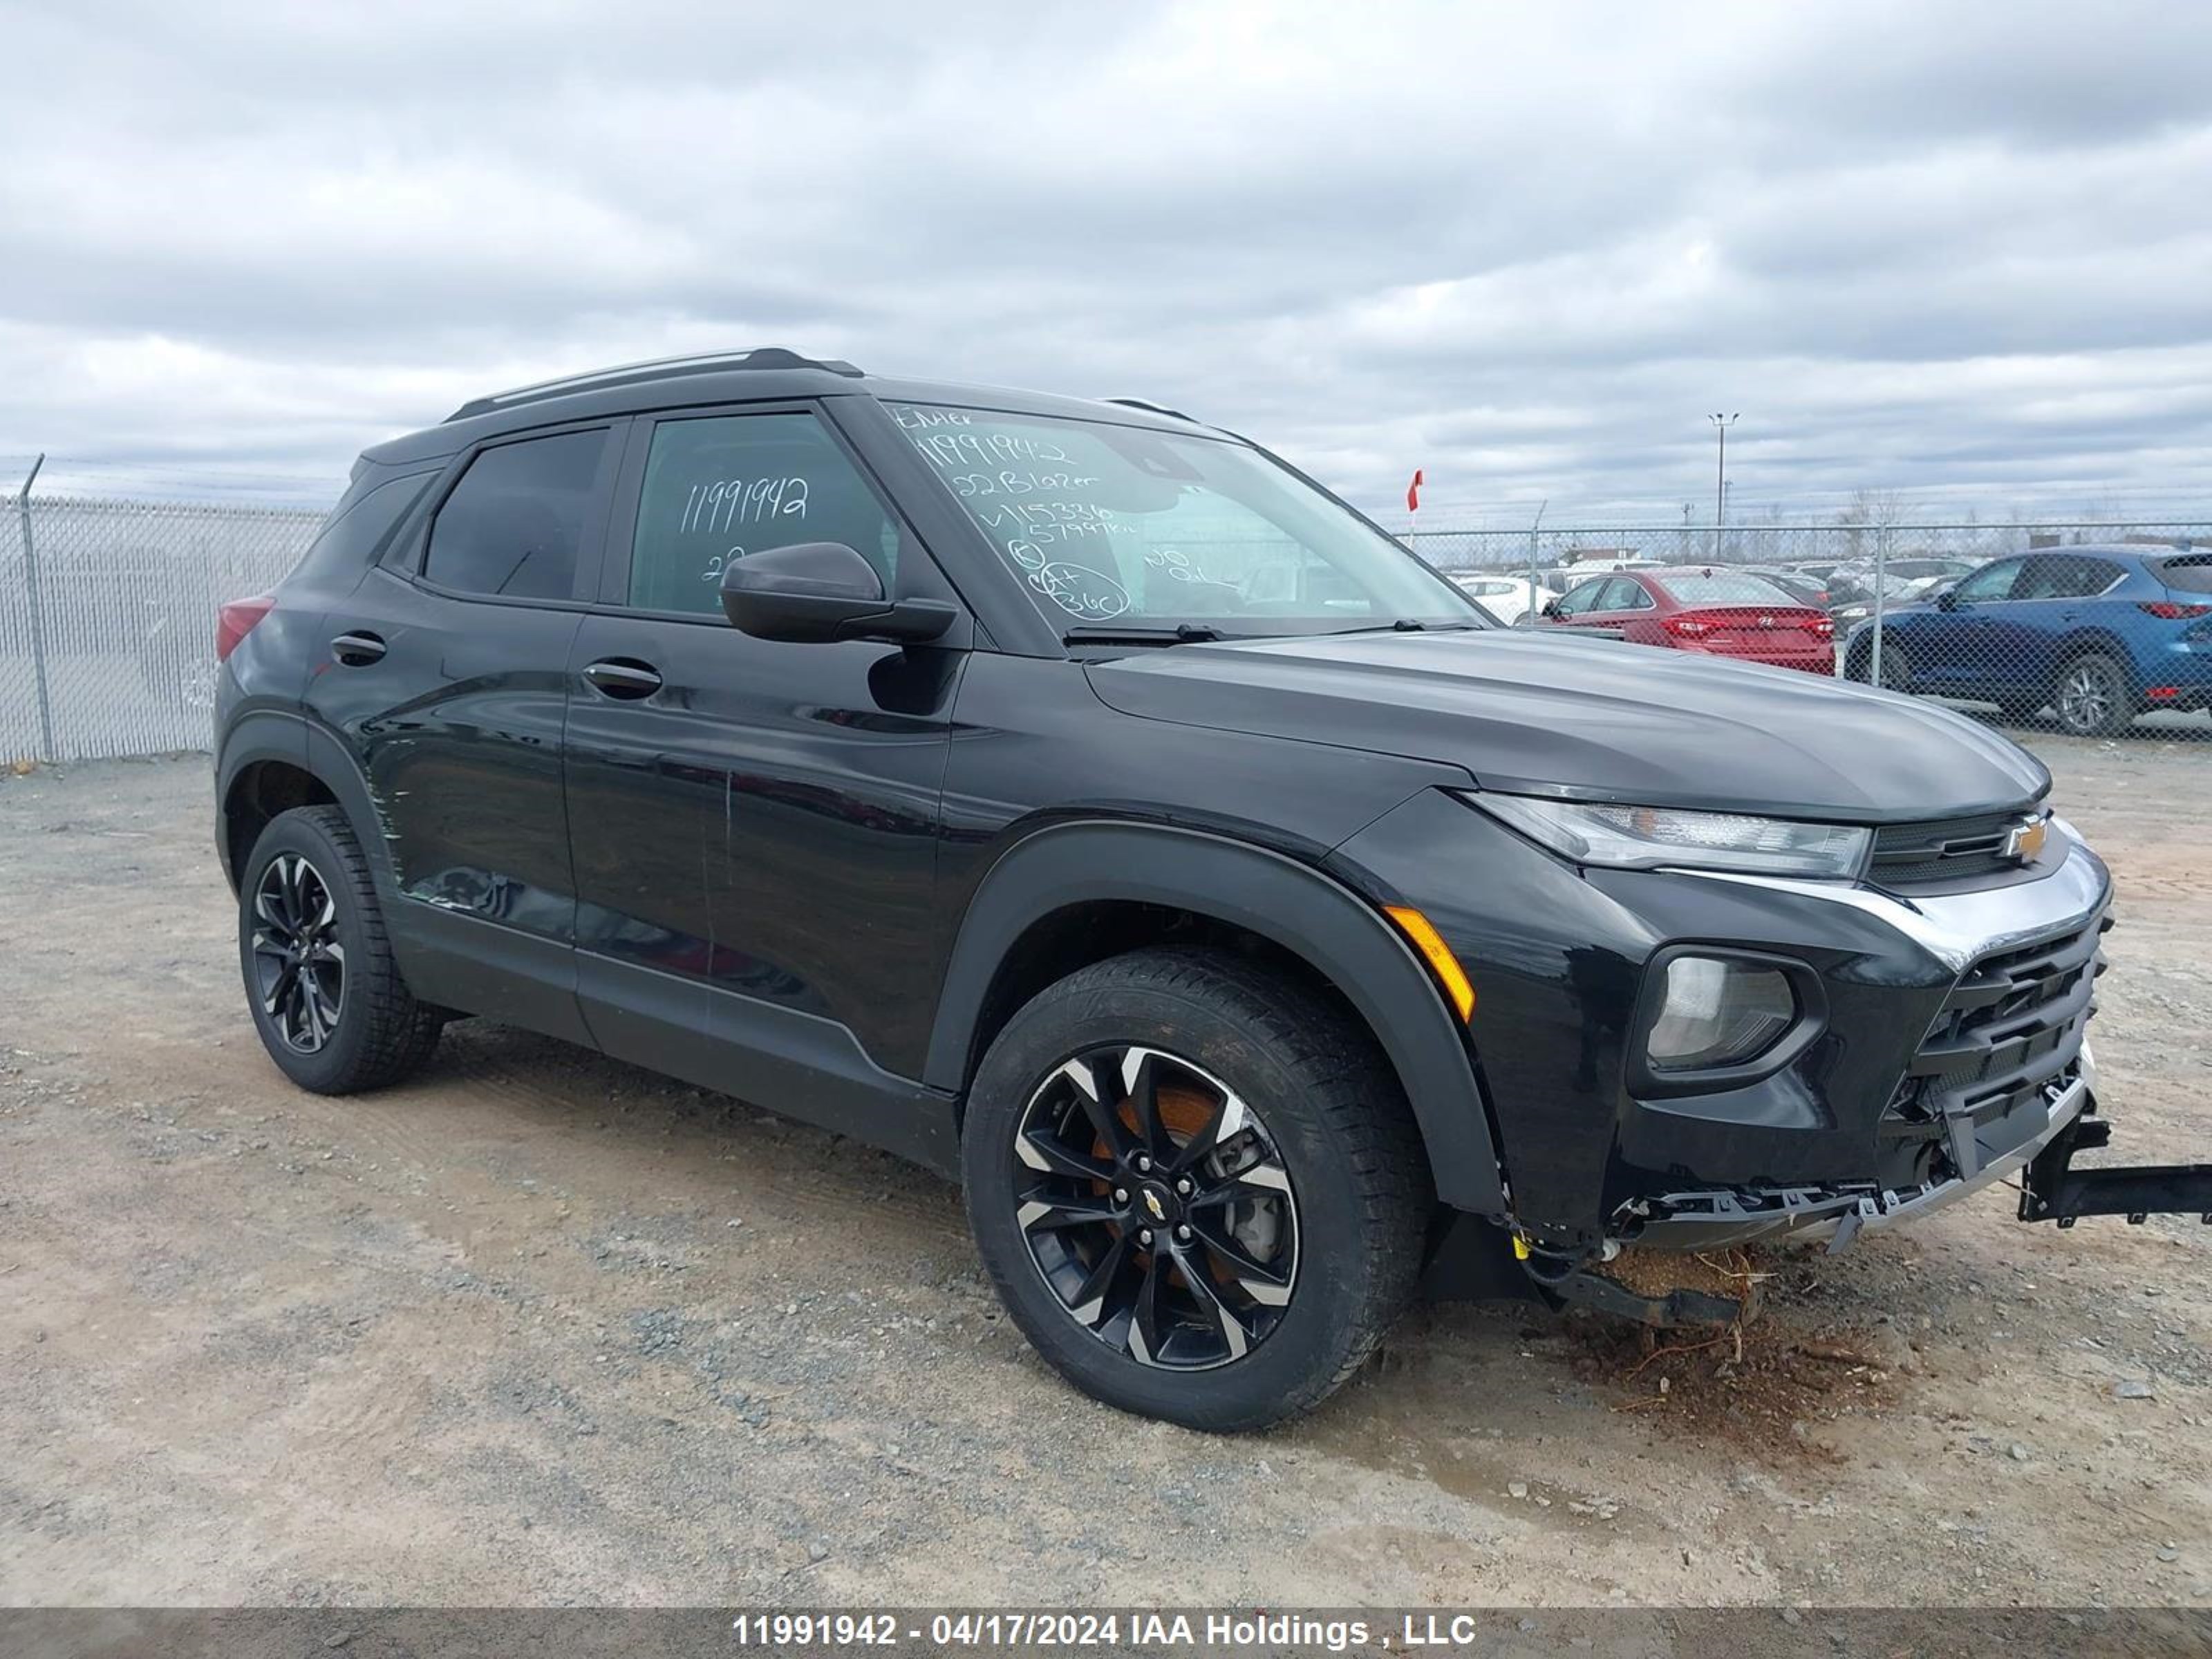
pixel 539 1327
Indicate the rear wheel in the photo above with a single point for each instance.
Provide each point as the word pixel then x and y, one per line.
pixel 326 996
pixel 1196 1185
pixel 2092 698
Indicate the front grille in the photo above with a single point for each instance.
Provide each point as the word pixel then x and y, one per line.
pixel 1943 849
pixel 2011 1027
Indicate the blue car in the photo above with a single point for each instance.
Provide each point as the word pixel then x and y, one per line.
pixel 2098 635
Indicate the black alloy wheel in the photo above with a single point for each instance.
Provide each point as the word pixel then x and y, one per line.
pixel 1157 1207
pixel 1196 1184
pixel 299 964
pixel 321 980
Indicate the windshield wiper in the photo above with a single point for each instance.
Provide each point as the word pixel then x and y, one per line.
pixel 1411 625
pixel 1138 634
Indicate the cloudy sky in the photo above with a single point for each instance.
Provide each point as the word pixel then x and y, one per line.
pixel 1961 252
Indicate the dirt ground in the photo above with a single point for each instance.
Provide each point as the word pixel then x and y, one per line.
pixel 539 1327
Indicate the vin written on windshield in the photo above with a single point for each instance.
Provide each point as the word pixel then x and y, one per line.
pixel 1108 523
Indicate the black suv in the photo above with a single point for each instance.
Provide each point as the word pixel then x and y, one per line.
pixel 1082 802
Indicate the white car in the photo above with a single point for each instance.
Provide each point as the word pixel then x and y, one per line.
pixel 1506 597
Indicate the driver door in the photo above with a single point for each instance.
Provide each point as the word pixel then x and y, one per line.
pixel 1950 646
pixel 754 822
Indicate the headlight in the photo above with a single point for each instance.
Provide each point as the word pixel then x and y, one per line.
pixel 1655 837
pixel 1716 1013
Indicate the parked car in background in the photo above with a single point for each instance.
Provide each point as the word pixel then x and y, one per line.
pixel 1709 609
pixel 1560 577
pixel 1509 598
pixel 2100 635
pixel 1801 586
pixel 1858 603
pixel 1855 583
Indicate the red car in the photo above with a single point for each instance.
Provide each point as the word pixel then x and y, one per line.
pixel 1721 612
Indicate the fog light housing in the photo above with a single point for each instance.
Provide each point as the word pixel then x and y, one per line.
pixel 1715 1013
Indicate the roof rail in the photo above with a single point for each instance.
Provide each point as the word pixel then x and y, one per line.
pixel 655 369
pixel 1147 404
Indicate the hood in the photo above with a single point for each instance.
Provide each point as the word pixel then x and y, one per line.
pixel 1594 718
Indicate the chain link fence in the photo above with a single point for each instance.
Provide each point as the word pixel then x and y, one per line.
pixel 107 610
pixel 107 613
pixel 2092 629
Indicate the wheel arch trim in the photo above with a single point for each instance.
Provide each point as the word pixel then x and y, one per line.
pixel 1302 910
pixel 271 736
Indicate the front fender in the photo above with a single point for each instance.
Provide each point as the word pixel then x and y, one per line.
pixel 1338 935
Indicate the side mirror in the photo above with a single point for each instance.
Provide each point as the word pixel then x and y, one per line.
pixel 1551 609
pixel 817 592
pixel 1948 600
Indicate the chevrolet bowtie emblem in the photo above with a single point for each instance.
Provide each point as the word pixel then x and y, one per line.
pixel 1152 1203
pixel 2025 844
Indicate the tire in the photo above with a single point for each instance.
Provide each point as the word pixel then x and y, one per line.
pixel 1896 667
pixel 324 993
pixel 1332 1192
pixel 2091 696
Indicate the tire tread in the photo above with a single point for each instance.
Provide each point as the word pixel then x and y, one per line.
pixel 399 1032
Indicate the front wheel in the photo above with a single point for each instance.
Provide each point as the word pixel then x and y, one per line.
pixel 1196 1185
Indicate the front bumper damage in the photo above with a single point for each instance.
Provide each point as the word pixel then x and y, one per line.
pixel 1839 1214
pixel 1952 1054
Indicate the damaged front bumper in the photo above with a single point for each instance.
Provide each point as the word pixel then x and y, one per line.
pixel 1703 1220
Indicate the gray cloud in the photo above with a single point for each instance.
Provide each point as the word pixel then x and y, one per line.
pixel 1959 251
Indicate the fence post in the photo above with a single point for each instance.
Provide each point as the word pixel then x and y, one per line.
pixel 1881 600
pixel 47 749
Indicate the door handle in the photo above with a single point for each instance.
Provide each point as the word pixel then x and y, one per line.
pixel 357 650
pixel 619 677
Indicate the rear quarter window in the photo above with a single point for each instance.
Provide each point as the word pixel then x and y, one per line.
pixel 2192 573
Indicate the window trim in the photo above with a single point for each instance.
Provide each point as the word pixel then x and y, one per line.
pixel 409 556
pixel 620 542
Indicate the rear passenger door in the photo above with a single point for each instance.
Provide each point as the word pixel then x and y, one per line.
pixel 1622 604
pixel 447 677
pixel 754 822
pixel 2019 650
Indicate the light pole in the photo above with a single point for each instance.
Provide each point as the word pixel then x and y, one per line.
pixel 1721 425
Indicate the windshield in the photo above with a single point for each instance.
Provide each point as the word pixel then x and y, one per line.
pixel 1107 524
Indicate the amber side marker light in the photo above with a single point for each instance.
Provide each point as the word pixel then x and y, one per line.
pixel 1430 944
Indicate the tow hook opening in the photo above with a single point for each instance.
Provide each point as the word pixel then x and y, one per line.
pixel 2052 1190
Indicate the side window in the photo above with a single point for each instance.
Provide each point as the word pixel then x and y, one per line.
pixel 1581 601
pixel 2089 578
pixel 1622 595
pixel 721 487
pixel 1991 583
pixel 359 534
pixel 514 524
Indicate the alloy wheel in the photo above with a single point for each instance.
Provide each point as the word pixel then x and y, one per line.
pixel 299 966
pixel 1156 1205
pixel 2086 698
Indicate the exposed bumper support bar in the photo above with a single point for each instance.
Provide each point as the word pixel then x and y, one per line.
pixel 2054 1191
